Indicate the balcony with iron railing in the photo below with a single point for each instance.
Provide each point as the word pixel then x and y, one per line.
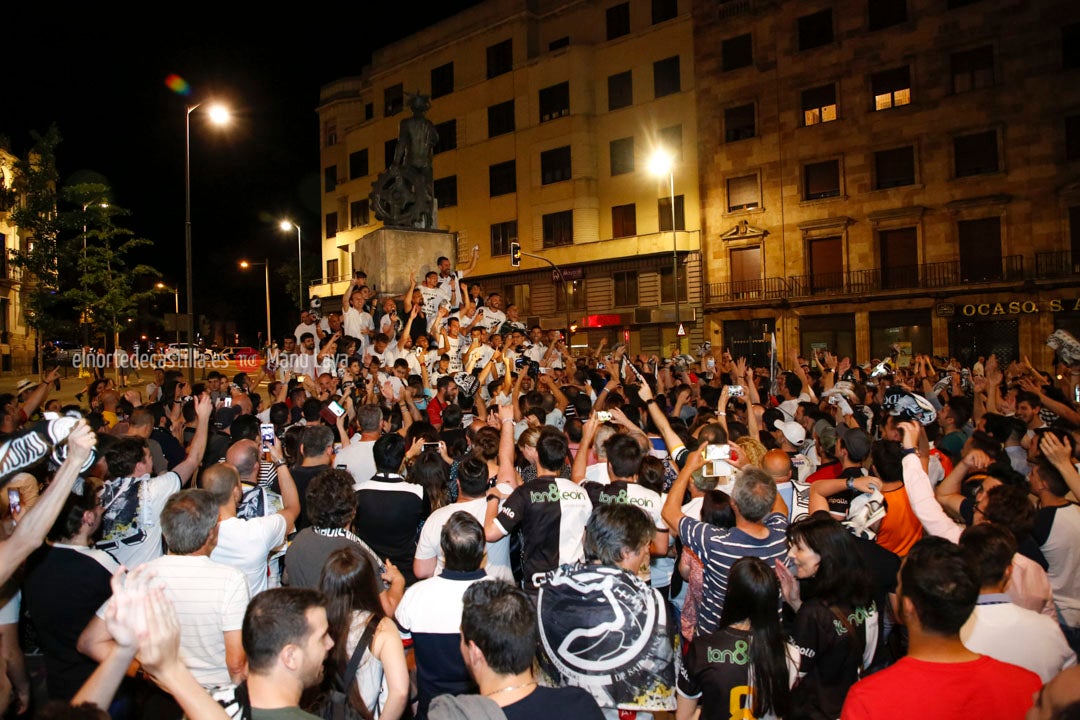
pixel 1050 265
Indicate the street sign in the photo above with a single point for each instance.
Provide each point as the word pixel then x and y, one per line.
pixel 682 331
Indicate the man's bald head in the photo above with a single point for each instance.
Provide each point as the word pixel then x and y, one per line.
pixel 221 481
pixel 777 464
pixel 244 456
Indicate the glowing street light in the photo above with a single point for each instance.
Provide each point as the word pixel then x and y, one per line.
pixel 266 265
pixel 176 295
pixel 287 225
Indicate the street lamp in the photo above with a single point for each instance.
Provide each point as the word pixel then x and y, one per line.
pixel 266 265
pixel 287 225
pixel 176 294
pixel 219 115
pixel 662 163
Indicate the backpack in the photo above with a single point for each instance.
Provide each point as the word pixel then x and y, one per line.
pixel 334 703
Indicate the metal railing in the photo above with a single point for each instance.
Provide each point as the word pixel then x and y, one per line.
pixel 1056 264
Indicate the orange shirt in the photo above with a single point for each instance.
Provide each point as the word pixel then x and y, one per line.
pixel 900 528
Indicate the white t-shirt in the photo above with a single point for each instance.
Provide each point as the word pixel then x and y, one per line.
pixel 358 459
pixel 131 527
pixel 305 364
pixel 497 562
pixel 490 320
pixel 433 299
pixel 452 347
pixel 247 544
pixel 307 328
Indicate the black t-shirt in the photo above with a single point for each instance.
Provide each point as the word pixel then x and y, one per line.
pixel 389 513
pixel 830 656
pixel 716 668
pixel 302 476
pixel 545 703
pixel 841 501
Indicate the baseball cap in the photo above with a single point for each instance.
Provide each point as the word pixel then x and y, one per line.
pixel 793 431
pixel 826 435
pixel 857 444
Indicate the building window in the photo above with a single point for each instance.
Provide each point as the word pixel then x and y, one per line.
pixel 622 156
pixel 359 214
pixel 331 224
pixel 519 295
pixel 442 80
pixel 358 164
pixel 1072 137
pixel 330 178
pixel 559 43
pixel 744 193
pixel 331 270
pixel 822 180
pixel 885 13
pixel 819 104
pixel 502 178
pixel 671 140
pixel 891 88
pixel 976 154
pixel 626 288
pixel 973 69
pixel 1070 46
pixel 500 58
pixel 369 111
pixel 4 257
pixel 618 20
pixel 663 210
pixel 666 79
pixel 980 249
pixel 502 234
pixel 667 293
pixel 555 165
pixel 815 30
pixel 663 10
pixel 330 133
pixel 623 221
pixel 894 168
pixel 389 150
pixel 574 290
pixel 739 123
pixel 447 136
pixel 555 101
pixel 558 228
pixel 501 118
pixel 446 191
pixel 745 266
pixel 737 52
pixel 899 258
pixel 393 100
pixel 620 90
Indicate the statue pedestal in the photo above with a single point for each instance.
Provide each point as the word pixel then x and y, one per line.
pixel 389 255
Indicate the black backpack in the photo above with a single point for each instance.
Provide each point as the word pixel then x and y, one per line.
pixel 334 703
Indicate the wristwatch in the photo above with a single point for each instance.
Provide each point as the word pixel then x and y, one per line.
pixel 851 483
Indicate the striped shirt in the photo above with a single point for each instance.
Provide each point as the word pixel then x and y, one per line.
pixel 719 549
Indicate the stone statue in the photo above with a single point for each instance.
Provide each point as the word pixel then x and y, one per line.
pixel 404 194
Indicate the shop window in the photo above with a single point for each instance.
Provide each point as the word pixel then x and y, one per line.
pixel 737 52
pixel 910 329
pixel 819 104
pixel 834 333
pixel 620 90
pixel 621 153
pixel 815 30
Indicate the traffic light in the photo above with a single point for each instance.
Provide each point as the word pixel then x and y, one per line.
pixel 515 254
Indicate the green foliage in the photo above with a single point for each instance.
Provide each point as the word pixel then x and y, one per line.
pixel 287 273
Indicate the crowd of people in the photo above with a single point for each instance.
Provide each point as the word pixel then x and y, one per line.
pixel 455 516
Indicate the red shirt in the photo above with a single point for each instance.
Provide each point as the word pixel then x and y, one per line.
pixel 434 411
pixel 828 471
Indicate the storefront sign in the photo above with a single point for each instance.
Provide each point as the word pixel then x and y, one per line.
pixel 570 273
pixel 1018 307
pixel 946 309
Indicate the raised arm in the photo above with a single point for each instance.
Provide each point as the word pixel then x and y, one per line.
pixel 581 457
pixel 920 493
pixel 671 438
pixel 187 467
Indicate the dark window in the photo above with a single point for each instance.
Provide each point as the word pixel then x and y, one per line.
pixel 500 58
pixel 558 228
pixel 519 295
pixel 572 290
pixel 739 123
pixel 555 165
pixel 358 164
pixel 330 132
pixel 819 104
pixel 894 168
pixel 359 214
pixel 623 221
pixel 330 178
pixel 822 180
pixel 663 209
pixel 626 288
pixel 891 88
pixel 502 178
pixel 1072 137
pixel 446 191
pixel 743 193
pixel 976 154
pixel 501 118
pixel 369 111
pixel 559 43
pixel 671 140
pixel 555 101
pixel 980 249
pixel 667 293
pixel 620 90
pixel 737 52
pixel 746 271
pixel 815 30
pixel 502 234
pixel 622 156
pixel 666 79
pixel 331 224
pixel 899 258
pixel 664 10
pixel 393 100
pixel 331 269
pixel 973 69
pixel 618 20
pixel 826 263
pixel 4 258
pixel 1070 46
pixel 447 136
pixel 442 80
pixel 885 13
pixel 389 149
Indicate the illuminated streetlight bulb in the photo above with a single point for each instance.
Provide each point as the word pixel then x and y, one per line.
pixel 285 225
pixel 660 163
pixel 244 264
pixel 219 114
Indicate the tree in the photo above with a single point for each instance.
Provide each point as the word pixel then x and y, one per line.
pixel 288 273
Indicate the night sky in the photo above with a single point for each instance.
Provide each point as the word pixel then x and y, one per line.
pixel 99 75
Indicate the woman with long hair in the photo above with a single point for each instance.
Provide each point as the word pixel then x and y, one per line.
pixel 381 687
pixel 745 663
pixel 836 620
pixel 716 510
